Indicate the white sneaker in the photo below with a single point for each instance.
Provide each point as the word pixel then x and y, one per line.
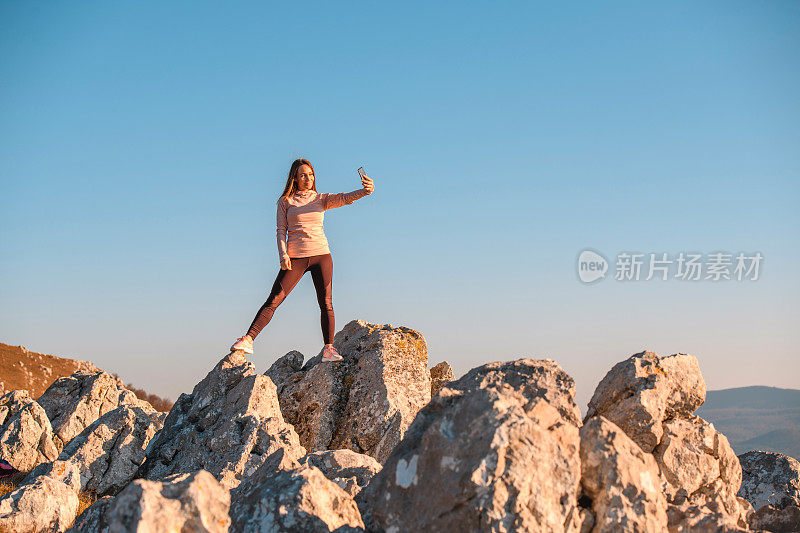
pixel 330 354
pixel 244 344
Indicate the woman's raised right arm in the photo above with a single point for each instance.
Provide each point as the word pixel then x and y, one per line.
pixel 282 229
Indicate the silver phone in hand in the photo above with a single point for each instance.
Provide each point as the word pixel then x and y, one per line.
pixel 361 172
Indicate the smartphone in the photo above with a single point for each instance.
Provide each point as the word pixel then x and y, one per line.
pixel 361 172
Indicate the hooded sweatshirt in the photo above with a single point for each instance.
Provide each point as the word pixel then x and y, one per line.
pixel 299 221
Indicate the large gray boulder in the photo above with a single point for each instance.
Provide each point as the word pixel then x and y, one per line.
pixel 109 452
pixel 350 470
pixel 652 399
pixel 623 481
pixel 228 426
pixel 639 393
pixel 284 495
pixel 26 436
pixel 702 471
pixel 284 367
pixel 364 403
pixel 182 502
pixel 694 519
pixel 103 459
pixel 771 483
pixel 47 501
pixel 496 450
pixel 74 402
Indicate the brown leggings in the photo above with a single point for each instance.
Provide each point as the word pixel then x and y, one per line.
pixel 321 267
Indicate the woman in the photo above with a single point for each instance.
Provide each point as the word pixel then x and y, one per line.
pixel 302 246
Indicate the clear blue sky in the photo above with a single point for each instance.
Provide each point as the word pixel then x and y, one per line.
pixel 143 146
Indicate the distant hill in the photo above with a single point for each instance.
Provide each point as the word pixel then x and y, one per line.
pixel 21 368
pixel 756 418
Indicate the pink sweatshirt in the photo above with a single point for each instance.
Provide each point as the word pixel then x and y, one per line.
pixel 300 217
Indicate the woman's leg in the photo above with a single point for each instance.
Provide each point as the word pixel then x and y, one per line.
pixel 321 267
pixel 284 283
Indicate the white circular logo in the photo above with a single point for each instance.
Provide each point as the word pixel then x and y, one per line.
pixel 591 266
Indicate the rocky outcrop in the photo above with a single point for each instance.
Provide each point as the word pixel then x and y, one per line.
pixel 771 483
pixel 623 482
pixel 45 501
pixel 772 518
pixel 350 470
pixel 639 393
pixel 364 403
pixel 109 452
pixel 182 502
pixel 496 450
pixel 284 367
pixel 701 469
pixel 103 459
pixel 228 426
pixel 26 436
pixel 652 398
pixel 694 519
pixel 74 402
pixel 441 375
pixel 284 495
pixel 502 448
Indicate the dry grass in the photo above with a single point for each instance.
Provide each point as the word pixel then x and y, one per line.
pixel 7 484
pixel 85 499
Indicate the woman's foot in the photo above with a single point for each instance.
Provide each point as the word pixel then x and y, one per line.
pixel 329 353
pixel 244 343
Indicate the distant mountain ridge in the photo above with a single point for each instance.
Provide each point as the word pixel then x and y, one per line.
pixel 756 418
pixel 755 397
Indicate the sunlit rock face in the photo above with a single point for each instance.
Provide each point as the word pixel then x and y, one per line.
pixel 497 450
pixel 364 403
pixel 228 426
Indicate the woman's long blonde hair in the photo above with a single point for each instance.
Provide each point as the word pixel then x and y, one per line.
pixel 291 181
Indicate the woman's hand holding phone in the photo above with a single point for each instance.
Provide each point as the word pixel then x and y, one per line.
pixel 366 182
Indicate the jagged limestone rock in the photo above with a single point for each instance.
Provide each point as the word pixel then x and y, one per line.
pixel 701 469
pixel 74 402
pixel 771 483
pixel 284 495
pixel 652 398
pixel 639 393
pixel 26 436
pixel 622 480
pixel 496 450
pixel 284 367
pixel 694 519
pixel 109 452
pixel 364 403
pixel 182 502
pixel 45 501
pixel 350 470
pixel 228 426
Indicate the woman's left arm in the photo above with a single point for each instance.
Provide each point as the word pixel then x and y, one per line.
pixel 330 201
